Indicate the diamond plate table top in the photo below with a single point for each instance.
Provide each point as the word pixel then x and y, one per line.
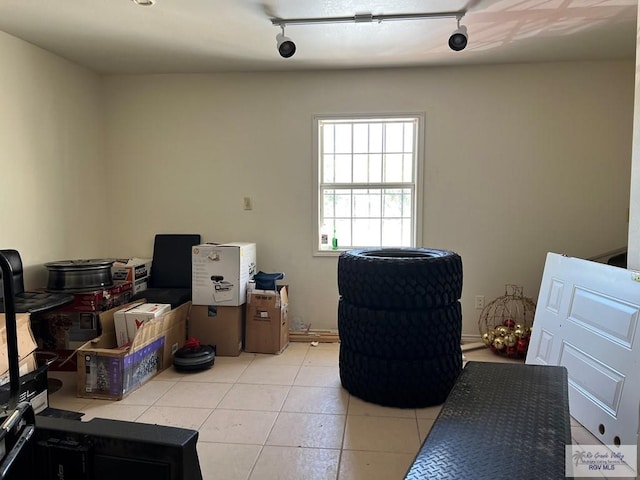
pixel 500 421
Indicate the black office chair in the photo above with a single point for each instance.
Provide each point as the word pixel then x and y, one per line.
pixel 30 302
pixel 170 279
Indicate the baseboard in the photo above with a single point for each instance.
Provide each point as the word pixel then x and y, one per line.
pixel 471 339
pixel 467 347
pixel 331 336
pixel 321 336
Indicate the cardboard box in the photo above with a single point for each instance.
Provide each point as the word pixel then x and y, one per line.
pixel 134 270
pixel 69 327
pixel 26 344
pixel 267 328
pixel 25 366
pixel 65 330
pixel 137 316
pixel 219 326
pixel 100 300
pixel 108 372
pixel 175 332
pixel 33 380
pixel 120 324
pixel 220 273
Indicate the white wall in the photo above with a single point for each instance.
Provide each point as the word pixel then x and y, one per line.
pixel 52 195
pixel 520 160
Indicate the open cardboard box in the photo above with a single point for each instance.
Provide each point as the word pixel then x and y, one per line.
pixel 108 372
pixel 33 380
pixel 26 346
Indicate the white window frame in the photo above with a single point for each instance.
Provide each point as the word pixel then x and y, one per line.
pixel 417 207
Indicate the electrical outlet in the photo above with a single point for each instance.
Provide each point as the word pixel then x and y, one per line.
pixel 247 203
pixel 479 302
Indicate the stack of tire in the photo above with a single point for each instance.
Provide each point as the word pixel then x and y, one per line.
pixel 400 325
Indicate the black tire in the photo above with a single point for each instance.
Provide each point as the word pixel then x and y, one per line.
pixel 400 334
pixel 401 278
pixel 399 383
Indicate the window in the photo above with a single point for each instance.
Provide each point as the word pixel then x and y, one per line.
pixel 367 175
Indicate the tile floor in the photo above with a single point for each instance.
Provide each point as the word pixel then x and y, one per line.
pixel 282 417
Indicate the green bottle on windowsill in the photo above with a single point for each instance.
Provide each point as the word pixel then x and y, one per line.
pixel 334 240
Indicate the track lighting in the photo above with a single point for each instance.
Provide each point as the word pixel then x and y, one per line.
pixel 286 47
pixel 459 38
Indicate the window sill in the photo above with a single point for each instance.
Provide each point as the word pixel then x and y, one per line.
pixel 329 253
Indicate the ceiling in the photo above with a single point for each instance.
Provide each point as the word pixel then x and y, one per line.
pixel 172 36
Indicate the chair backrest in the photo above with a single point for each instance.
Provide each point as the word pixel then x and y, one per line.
pixel 171 267
pixel 16 265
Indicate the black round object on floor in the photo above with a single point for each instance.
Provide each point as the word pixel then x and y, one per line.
pixel 194 358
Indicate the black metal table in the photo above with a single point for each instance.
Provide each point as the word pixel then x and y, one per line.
pixel 500 421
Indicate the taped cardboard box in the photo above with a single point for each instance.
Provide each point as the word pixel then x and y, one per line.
pixel 267 324
pixel 108 372
pixel 219 326
pixel 220 273
pixel 134 270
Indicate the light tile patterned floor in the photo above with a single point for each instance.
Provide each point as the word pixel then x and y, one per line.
pixel 282 417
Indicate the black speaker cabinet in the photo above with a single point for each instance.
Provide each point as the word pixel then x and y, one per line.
pixel 102 449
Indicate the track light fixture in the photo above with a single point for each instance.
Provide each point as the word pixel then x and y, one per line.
pixel 286 47
pixel 459 38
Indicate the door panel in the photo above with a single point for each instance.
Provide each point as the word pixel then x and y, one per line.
pixel 587 320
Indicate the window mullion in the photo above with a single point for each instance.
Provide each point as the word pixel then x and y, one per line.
pixel 382 176
pixel 368 185
pixel 404 159
pixel 368 153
